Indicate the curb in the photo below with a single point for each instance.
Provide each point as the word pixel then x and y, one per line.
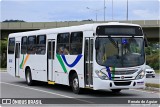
pixel 152 89
pixel 3 70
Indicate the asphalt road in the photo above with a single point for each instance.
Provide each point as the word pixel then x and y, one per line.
pixel 12 87
pixel 155 80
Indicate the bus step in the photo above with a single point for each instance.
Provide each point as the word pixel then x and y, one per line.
pixel 89 87
pixel 51 82
pixel 17 76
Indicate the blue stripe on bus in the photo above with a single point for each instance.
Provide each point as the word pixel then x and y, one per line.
pixel 75 61
pixel 109 73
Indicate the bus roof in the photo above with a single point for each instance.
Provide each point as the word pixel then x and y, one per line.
pixel 85 27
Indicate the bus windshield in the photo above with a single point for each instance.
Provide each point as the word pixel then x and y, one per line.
pixel 120 51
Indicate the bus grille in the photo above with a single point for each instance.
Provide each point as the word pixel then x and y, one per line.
pixel 122 83
pixel 127 72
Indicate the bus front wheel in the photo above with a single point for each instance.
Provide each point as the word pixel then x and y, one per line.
pixel 75 84
pixel 29 77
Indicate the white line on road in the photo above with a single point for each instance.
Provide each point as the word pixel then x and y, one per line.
pixel 45 92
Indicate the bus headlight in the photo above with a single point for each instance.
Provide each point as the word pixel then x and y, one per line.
pixel 101 75
pixel 141 74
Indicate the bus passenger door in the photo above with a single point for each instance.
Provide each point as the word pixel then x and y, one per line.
pixel 50 57
pixel 88 62
pixel 17 55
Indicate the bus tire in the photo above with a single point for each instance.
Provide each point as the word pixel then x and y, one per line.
pixel 29 80
pixel 75 84
pixel 116 90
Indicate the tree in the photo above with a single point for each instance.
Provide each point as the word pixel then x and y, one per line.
pixel 11 20
pixel 3 53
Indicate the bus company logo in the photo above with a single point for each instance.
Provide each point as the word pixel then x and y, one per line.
pixel 6 101
pixel 122 77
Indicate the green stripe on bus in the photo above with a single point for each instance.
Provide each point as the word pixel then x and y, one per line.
pixel 22 63
pixel 113 72
pixel 61 62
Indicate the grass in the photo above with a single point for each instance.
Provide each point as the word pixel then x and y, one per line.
pixel 157 71
pixel 3 69
pixel 152 85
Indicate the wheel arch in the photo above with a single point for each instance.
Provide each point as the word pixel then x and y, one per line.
pixel 27 67
pixel 71 73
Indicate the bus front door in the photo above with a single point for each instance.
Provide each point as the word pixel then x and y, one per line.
pixel 17 56
pixel 50 57
pixel 88 62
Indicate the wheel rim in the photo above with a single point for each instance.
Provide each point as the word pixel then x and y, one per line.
pixel 28 78
pixel 75 83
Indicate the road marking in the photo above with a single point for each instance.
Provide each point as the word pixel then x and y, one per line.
pixel 145 91
pixel 45 92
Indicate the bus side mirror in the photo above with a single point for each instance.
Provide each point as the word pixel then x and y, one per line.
pixel 97 44
pixel 145 40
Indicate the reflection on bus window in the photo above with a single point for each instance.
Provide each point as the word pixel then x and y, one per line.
pixel 31 47
pixel 76 43
pixel 120 52
pixel 24 45
pixel 63 43
pixel 41 44
pixel 11 45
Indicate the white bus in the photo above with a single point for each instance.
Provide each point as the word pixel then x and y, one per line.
pixel 106 56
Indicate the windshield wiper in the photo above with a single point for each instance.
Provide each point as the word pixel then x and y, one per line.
pixel 113 42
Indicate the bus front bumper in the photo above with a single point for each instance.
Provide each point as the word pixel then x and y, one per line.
pixel 110 84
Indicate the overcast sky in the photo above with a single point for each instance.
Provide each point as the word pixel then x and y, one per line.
pixel 75 10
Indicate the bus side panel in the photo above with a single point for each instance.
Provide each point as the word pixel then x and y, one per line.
pixel 62 77
pixel 39 63
pixel 11 64
pixel 22 65
pixel 11 61
pixel 38 66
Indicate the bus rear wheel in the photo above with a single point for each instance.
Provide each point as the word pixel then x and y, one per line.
pixel 75 84
pixel 29 77
pixel 116 90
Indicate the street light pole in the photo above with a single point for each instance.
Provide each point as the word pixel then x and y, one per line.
pixel 127 10
pixel 104 10
pixel 93 10
pixel 96 11
pixel 96 16
pixel 112 10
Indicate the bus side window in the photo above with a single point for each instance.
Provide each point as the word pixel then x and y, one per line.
pixel 24 45
pixel 11 46
pixel 76 43
pixel 41 44
pixel 63 43
pixel 31 47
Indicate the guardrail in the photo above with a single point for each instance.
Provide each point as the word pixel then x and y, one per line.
pixel 45 25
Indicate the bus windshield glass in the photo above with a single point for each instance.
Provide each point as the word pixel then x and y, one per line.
pixel 120 52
